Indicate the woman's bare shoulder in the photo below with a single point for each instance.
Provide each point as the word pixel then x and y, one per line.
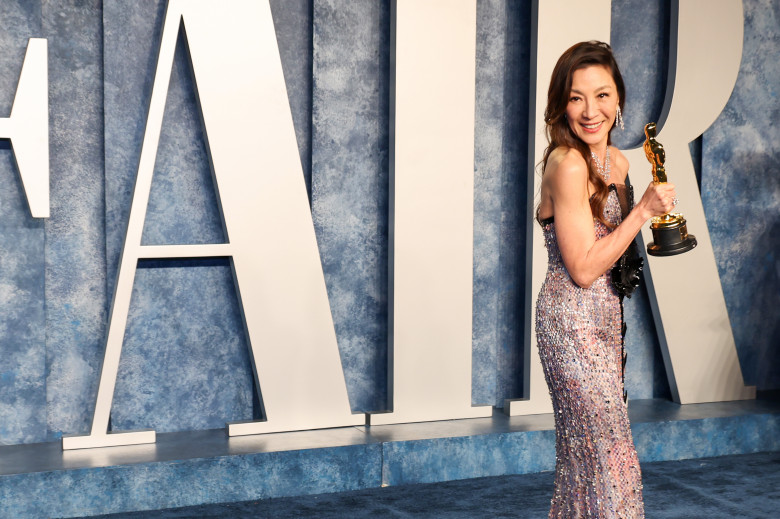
pixel 565 181
pixel 565 166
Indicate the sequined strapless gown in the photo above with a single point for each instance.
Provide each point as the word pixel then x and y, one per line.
pixel 579 337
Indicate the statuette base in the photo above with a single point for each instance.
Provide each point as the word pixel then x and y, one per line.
pixel 670 236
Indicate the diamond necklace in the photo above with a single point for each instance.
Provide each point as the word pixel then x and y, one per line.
pixel 602 170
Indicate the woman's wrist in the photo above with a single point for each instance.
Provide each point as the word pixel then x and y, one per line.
pixel 643 211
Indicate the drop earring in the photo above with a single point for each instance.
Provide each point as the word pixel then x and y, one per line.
pixel 619 119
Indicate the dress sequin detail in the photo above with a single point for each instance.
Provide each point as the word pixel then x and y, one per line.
pixel 578 331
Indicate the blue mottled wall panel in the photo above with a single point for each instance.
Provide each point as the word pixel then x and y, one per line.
pixel 488 126
pixel 22 320
pixel 503 40
pixel 350 111
pixel 741 193
pixel 512 235
pixel 75 233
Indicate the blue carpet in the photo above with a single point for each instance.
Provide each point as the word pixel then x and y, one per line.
pixel 741 486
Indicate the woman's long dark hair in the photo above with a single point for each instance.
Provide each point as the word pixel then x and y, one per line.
pixel 557 128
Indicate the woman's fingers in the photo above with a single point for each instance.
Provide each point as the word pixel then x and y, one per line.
pixel 661 198
pixel 667 197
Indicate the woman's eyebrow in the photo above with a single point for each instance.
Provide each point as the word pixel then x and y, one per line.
pixel 599 89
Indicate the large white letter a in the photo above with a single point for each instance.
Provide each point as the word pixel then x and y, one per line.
pixel 259 180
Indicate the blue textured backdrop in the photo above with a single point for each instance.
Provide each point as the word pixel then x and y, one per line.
pixel 76 292
pixel 741 194
pixel 185 364
pixel 23 321
pixel 349 187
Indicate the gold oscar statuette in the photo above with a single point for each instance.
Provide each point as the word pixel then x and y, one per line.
pixel 670 232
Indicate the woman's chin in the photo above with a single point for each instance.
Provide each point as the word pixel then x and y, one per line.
pixel 598 139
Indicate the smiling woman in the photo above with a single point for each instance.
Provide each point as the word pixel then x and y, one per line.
pixel 588 223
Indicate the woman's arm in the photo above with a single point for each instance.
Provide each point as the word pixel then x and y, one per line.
pixel 586 259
